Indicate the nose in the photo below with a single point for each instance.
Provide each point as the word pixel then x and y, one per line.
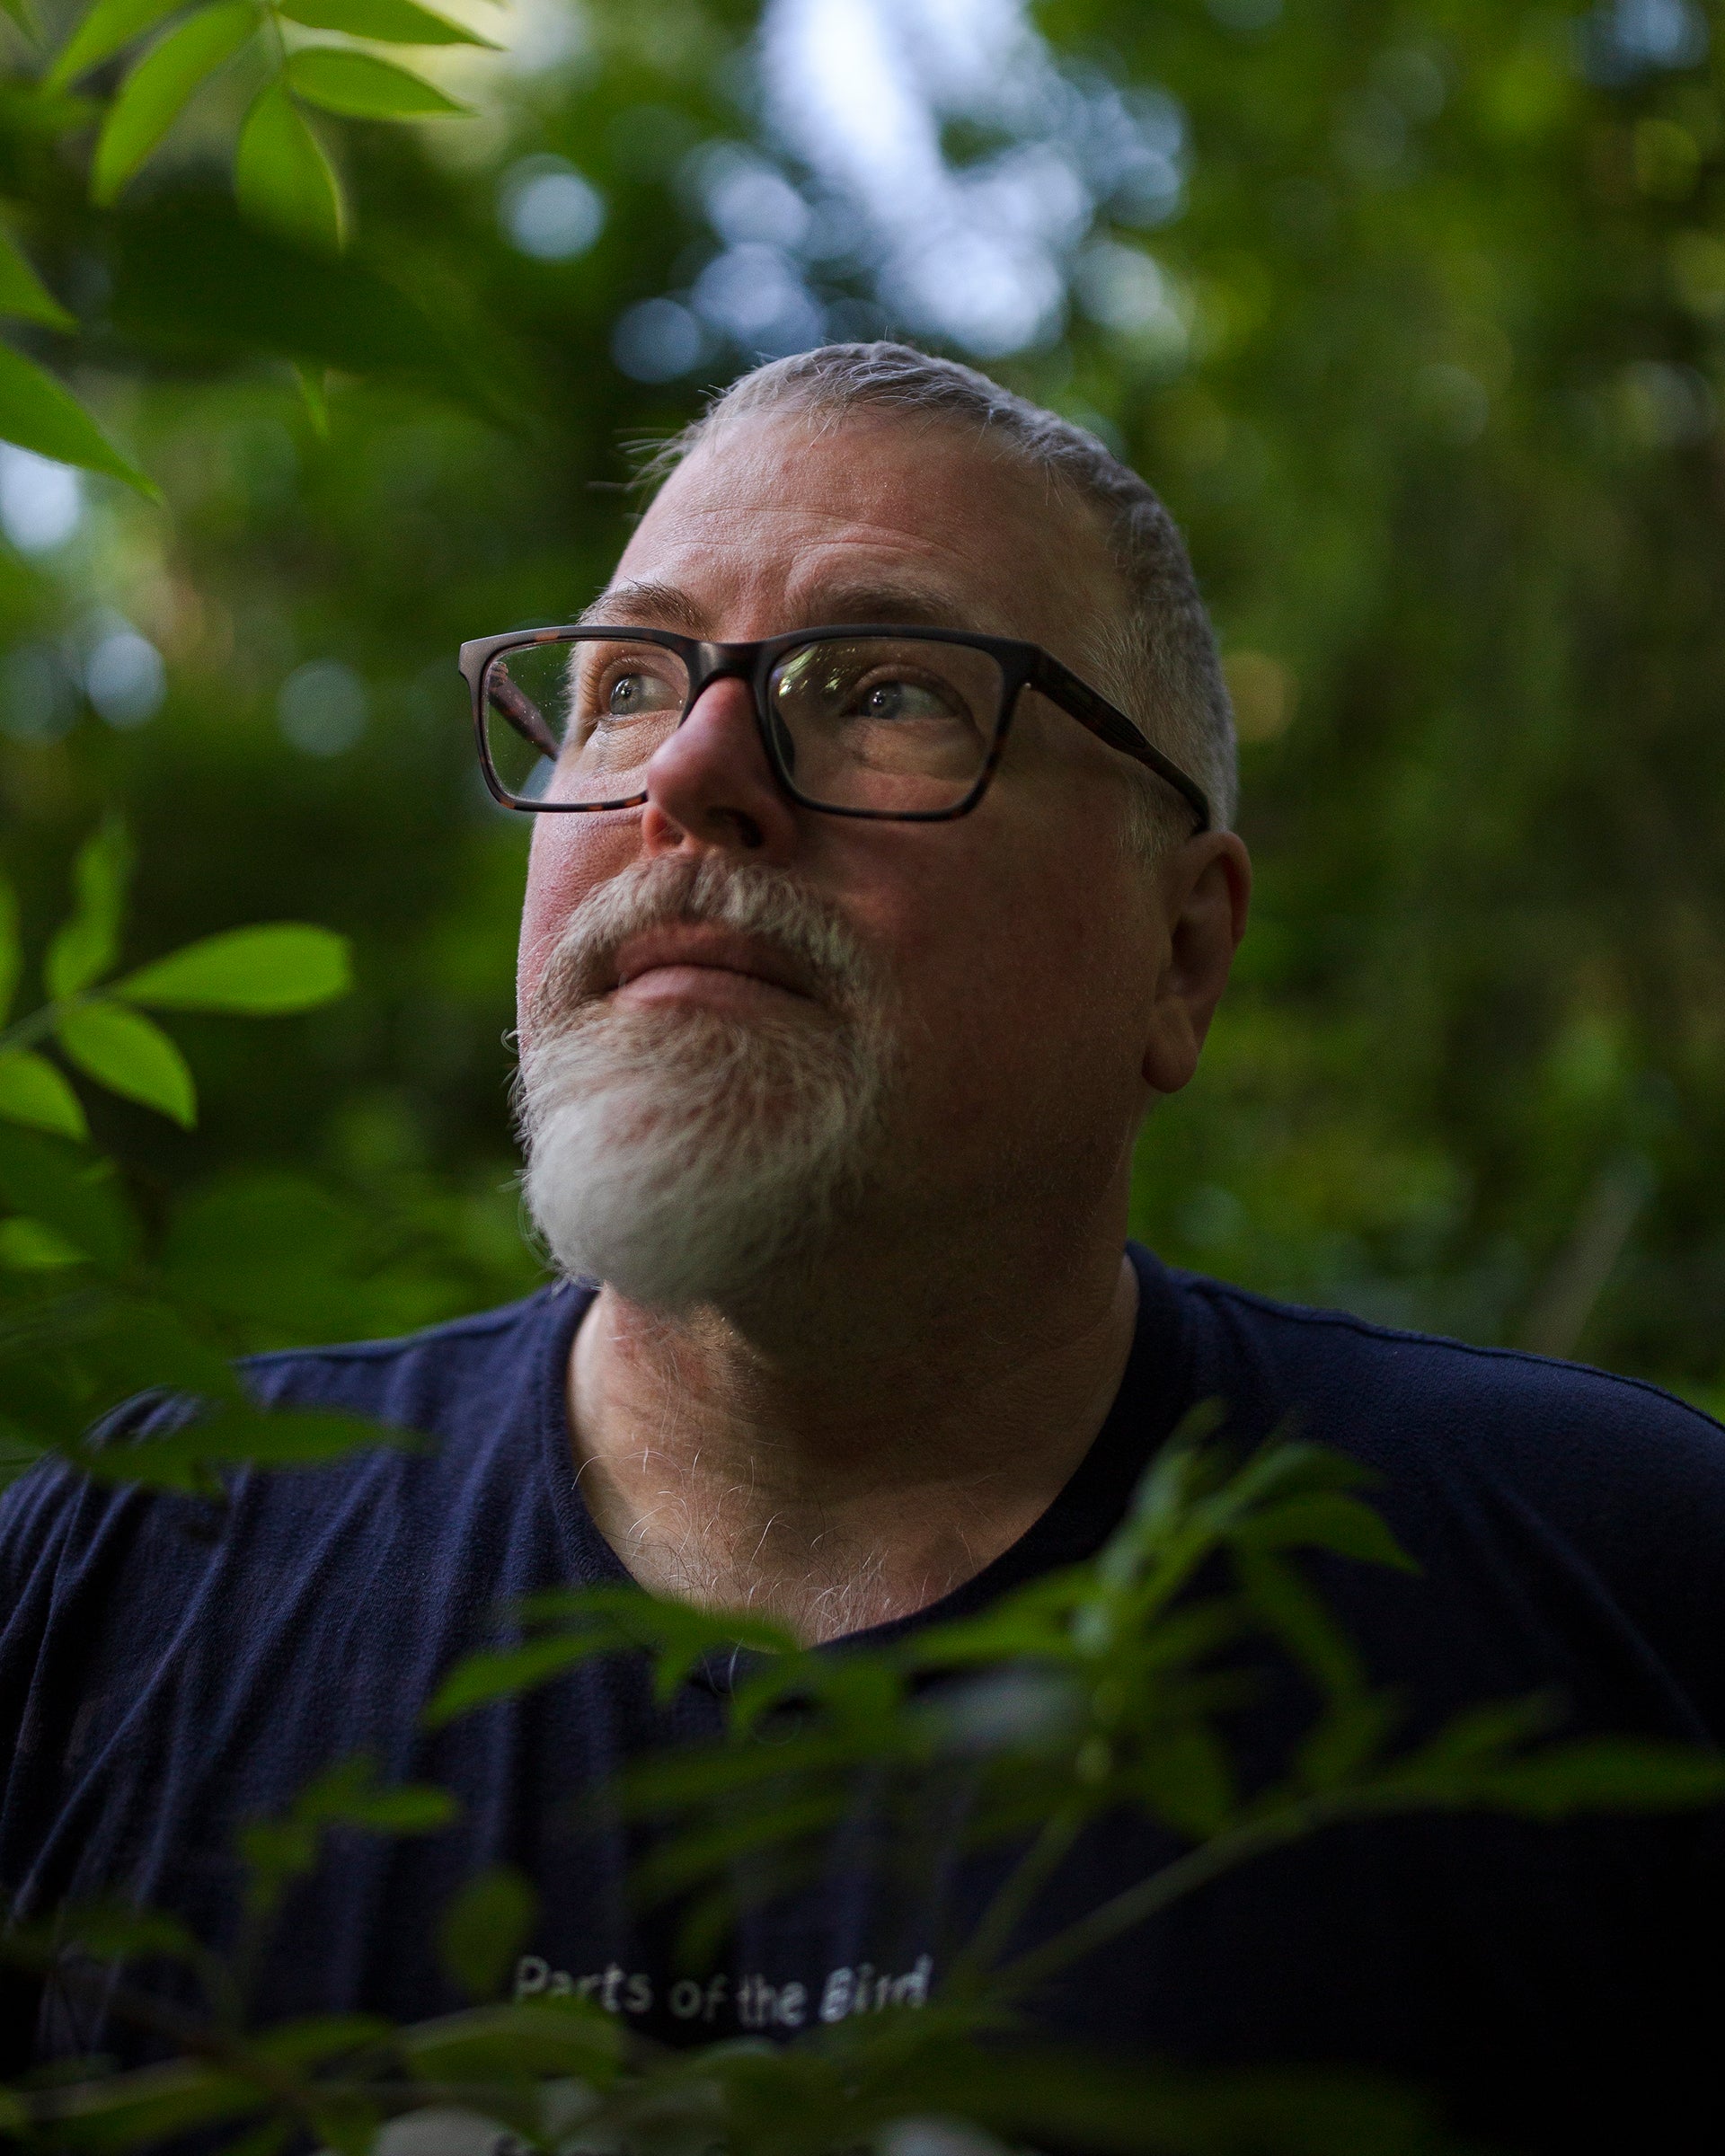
pixel 710 787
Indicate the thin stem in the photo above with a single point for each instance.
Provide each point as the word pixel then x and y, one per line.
pixel 1209 1860
pixel 23 1032
pixel 277 37
pixel 1013 1898
pixel 191 2037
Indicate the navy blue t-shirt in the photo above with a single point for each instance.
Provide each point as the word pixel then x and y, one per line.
pixel 168 1671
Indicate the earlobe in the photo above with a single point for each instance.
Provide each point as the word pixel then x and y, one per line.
pixel 1207 892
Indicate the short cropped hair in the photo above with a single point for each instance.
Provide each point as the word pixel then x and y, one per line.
pixel 1158 660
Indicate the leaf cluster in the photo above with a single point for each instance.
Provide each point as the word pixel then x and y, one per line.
pixel 87 1319
pixel 286 182
pixel 1103 1688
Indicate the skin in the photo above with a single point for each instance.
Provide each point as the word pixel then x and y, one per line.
pixel 888 1427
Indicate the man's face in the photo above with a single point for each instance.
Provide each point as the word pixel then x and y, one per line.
pixel 1022 942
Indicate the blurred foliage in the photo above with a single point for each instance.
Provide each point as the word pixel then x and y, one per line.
pixel 1103 1688
pixel 1422 345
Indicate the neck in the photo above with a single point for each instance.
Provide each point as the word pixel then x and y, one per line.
pixel 871 1443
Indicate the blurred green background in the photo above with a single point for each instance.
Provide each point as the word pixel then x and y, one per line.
pixel 1414 313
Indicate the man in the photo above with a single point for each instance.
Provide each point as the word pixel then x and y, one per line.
pixel 850 966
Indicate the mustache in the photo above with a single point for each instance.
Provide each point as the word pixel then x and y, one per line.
pixel 764 904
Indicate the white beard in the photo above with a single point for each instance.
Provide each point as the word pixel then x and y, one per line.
pixel 689 1156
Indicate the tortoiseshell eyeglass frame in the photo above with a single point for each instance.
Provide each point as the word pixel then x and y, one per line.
pixel 1022 666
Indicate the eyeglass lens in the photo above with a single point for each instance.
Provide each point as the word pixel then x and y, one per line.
pixel 900 725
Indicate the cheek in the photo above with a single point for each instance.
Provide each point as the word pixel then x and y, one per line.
pixel 570 856
pixel 1012 990
pixel 1058 1017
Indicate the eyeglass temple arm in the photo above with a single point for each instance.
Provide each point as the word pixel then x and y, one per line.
pixel 521 711
pixel 1064 687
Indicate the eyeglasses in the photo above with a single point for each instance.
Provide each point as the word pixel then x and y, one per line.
pixel 903 724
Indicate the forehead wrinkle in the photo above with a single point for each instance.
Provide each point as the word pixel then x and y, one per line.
pixel 886 600
pixel 652 603
pixel 872 532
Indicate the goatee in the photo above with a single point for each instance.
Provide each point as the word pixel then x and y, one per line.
pixel 691 1156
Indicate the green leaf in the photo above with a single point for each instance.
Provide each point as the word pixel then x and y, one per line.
pixel 415 1809
pixel 1345 1739
pixel 278 1253
pixel 347 1794
pixel 51 1182
pixel 485 1928
pixel 320 2037
pixel 1326 1520
pixel 496 1672
pixel 26 1246
pixel 1488 1733
pixel 196 284
pixel 315 397
pixel 37 413
pixel 1302 1622
pixel 131 1344
pixel 110 25
pixel 23 293
pixel 248 972
pixel 1188 1781
pixel 193 1457
pixel 157 2105
pixel 11 953
pixel 129 1054
pixel 84 947
pixel 606 1621
pixel 360 86
pixel 32 1092
pixel 350 1794
pixel 158 87
pixel 283 177
pixel 1608 1774
pixel 498 2047
pixel 550 2038
pixel 391 22
pixel 115 1932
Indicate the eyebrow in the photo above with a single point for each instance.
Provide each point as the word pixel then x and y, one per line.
pixel 646 603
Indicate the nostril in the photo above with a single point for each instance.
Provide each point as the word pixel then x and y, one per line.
pixel 747 830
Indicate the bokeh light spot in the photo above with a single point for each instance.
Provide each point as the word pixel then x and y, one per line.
pixel 322 707
pixel 125 679
pixel 548 210
pixel 655 341
pixel 41 502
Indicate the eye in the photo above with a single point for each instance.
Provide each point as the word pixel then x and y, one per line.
pixel 898 699
pixel 634 693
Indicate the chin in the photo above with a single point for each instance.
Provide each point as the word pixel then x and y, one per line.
pixel 688 1156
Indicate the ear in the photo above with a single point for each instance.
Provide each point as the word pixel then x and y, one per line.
pixel 1205 891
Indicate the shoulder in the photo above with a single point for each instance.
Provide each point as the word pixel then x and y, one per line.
pixel 1383 1390
pixel 104 1574
pixel 1513 1479
pixel 432 1379
pixel 51 1505
pixel 476 1386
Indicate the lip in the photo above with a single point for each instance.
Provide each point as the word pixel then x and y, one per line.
pixel 672 961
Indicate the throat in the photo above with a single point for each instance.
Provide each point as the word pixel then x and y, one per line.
pixel 819 1576
pixel 832 1499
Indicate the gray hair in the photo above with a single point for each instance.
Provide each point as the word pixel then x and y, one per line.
pixel 1158 660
